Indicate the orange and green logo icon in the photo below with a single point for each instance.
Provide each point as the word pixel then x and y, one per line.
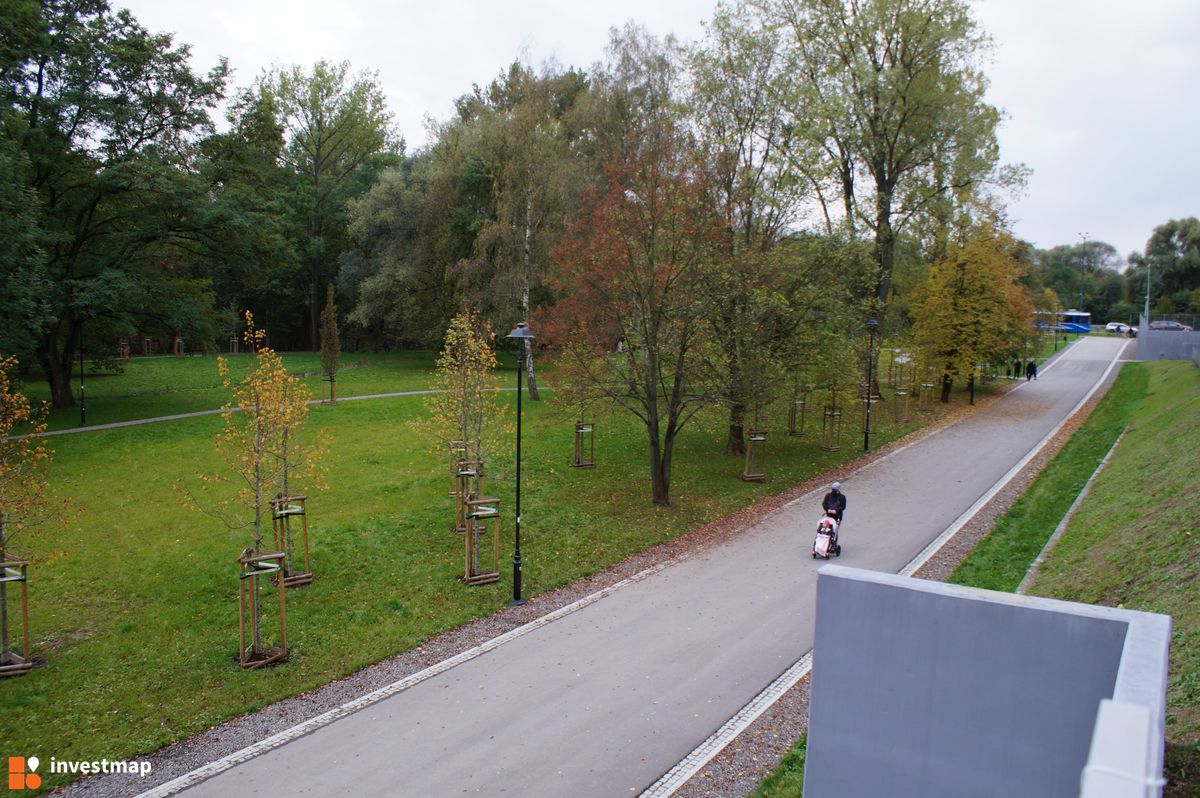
pixel 22 773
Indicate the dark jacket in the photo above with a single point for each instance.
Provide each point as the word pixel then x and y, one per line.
pixel 836 501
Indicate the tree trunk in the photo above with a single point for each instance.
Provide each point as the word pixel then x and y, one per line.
pixel 736 442
pixel 57 367
pixel 946 382
pixel 4 652
pixel 255 608
pixel 660 466
pixel 314 313
pixel 885 246
pixel 530 378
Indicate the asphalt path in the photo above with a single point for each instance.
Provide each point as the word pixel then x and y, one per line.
pixel 603 700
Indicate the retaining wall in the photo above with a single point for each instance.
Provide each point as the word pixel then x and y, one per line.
pixel 1167 344
pixel 925 689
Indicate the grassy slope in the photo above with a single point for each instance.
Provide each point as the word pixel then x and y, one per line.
pixel 1107 556
pixel 1133 543
pixel 134 603
pixel 1000 560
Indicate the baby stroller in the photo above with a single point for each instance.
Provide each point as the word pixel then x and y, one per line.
pixel 826 544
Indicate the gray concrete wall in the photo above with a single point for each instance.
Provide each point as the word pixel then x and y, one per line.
pixel 1167 345
pixel 925 689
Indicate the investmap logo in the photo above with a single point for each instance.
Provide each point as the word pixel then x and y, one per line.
pixel 23 775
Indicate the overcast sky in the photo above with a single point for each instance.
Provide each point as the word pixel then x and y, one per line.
pixel 1101 95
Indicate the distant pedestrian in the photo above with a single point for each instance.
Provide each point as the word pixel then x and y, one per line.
pixel 1030 371
pixel 1017 370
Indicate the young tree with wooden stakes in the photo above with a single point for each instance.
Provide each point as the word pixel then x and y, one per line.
pixel 268 406
pixel 465 419
pixel 331 346
pixel 465 407
pixel 24 503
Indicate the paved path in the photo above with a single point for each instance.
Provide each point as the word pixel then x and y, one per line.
pixel 603 700
pixel 197 413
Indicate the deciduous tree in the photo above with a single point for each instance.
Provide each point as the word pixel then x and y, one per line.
pixel 889 94
pixel 628 268
pixel 334 123
pixel 972 309
pixel 103 113
pixel 268 406
pixel 464 409
pixel 24 491
pixel 331 346
pixel 735 101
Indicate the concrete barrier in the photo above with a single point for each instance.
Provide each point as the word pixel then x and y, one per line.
pixel 926 689
pixel 1167 344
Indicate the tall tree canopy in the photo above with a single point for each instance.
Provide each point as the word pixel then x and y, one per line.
pixel 629 269
pixel 887 101
pixel 103 115
pixel 334 124
pixel 973 310
pixel 1173 256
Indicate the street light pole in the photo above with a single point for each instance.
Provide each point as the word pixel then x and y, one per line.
pixel 1082 264
pixel 871 325
pixel 522 334
pixel 1146 323
pixel 82 398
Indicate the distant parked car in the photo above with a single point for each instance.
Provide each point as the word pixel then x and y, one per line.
pixel 1116 327
pixel 1169 325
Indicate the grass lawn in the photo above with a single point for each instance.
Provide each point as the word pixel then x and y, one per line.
pixel 134 602
pixel 162 386
pixel 1132 542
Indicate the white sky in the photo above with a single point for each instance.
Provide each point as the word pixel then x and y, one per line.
pixel 1103 96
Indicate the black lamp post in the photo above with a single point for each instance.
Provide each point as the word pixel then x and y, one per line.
pixel 521 334
pixel 872 325
pixel 82 399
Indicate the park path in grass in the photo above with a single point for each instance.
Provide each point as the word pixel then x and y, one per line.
pixel 197 413
pixel 607 698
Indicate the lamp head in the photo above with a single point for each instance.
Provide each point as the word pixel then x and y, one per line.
pixel 521 331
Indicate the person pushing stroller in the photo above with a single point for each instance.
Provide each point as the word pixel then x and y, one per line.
pixel 826 543
pixel 834 503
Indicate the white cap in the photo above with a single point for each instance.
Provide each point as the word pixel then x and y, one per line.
pixel 836 486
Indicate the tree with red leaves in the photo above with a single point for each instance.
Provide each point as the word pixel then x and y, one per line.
pixel 628 269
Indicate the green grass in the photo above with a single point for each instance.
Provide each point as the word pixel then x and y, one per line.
pixel 1131 543
pixel 1000 560
pixel 134 602
pixel 161 386
pixel 787 779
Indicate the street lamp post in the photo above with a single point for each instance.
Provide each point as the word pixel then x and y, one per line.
pixel 872 324
pixel 1146 312
pixel 521 334
pixel 82 398
pixel 1082 266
